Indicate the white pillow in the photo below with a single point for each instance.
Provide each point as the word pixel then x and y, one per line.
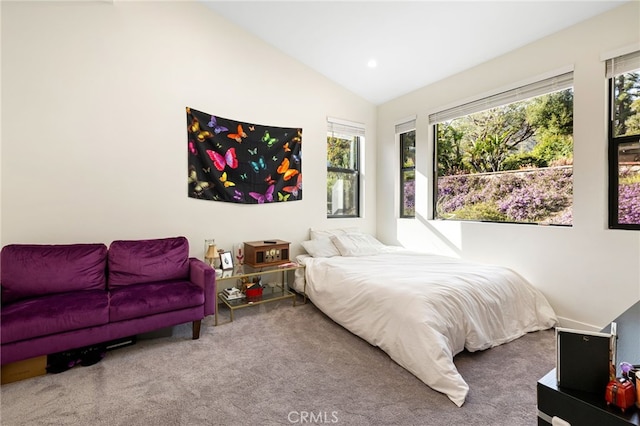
pixel 321 247
pixel 357 244
pixel 326 233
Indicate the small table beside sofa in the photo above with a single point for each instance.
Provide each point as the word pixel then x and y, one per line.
pixel 61 297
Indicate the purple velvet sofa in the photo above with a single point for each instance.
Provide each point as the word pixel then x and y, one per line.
pixel 61 297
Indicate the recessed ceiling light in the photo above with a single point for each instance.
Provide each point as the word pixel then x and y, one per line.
pixel 372 63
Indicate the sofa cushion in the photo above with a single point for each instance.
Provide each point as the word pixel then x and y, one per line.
pixel 51 314
pixel 134 301
pixel 29 270
pixel 145 261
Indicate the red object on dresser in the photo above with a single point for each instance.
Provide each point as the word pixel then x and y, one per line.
pixel 253 294
pixel 621 393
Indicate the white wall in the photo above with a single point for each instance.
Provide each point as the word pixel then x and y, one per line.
pixel 94 141
pixel 94 132
pixel 589 273
pixel 0 131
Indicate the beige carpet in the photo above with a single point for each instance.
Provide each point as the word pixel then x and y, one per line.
pixel 277 365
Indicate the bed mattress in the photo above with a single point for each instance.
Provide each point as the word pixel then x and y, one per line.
pixel 423 309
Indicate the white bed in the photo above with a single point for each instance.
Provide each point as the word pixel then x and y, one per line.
pixel 421 309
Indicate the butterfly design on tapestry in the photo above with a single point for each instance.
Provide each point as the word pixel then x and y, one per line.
pixel 284 169
pixel 221 161
pixel 266 197
pixel 199 185
pixel 213 123
pixel 283 197
pixel 265 169
pixel 238 135
pixel 270 141
pixel 298 137
pixel 258 165
pixel 201 135
pixel 294 189
pixel 237 195
pixel 226 182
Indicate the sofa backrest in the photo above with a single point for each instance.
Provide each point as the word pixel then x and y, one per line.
pixel 30 270
pixel 142 261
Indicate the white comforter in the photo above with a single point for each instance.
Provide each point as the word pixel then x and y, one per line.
pixel 423 309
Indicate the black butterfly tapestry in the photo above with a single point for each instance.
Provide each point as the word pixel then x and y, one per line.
pixel 239 162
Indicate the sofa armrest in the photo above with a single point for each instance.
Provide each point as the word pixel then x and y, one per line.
pixel 204 276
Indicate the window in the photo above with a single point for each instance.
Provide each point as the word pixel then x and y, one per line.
pixel 407 134
pixel 623 73
pixel 344 141
pixel 508 157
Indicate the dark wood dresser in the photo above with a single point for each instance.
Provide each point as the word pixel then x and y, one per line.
pixel 578 408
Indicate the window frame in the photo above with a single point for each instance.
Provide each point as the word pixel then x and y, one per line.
pixel 404 169
pixel 614 143
pixel 354 131
pixel 559 81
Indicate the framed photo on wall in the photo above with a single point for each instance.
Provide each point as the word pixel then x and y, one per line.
pixel 226 260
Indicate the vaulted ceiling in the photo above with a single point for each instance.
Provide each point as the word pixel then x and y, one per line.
pixel 383 49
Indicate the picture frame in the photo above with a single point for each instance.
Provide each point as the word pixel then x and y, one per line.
pixel 226 260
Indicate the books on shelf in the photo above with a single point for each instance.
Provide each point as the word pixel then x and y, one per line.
pixel 232 293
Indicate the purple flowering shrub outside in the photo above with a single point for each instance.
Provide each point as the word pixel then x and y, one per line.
pixel 629 195
pixel 531 196
pixel 409 197
pixel 629 203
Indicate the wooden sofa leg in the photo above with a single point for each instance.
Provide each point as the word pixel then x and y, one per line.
pixel 196 329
